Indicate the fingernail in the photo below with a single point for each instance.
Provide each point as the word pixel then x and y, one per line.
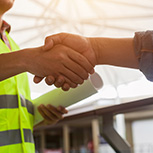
pixel 36 79
pixel 50 79
pixel 65 88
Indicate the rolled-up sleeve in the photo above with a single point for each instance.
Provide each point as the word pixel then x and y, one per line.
pixel 143 46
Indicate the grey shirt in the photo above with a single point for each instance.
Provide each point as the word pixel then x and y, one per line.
pixel 143 45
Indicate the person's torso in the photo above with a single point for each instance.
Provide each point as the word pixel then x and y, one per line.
pixel 16 111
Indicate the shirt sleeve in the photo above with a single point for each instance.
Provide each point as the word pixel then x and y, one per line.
pixel 143 46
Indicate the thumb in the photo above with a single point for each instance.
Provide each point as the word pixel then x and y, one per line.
pixel 49 44
pixel 53 40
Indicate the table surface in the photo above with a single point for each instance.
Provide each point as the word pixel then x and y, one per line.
pixel 143 104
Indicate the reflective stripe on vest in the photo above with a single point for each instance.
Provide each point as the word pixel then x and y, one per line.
pixel 14 137
pixel 11 101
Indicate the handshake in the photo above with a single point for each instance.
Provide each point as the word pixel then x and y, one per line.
pixel 65 60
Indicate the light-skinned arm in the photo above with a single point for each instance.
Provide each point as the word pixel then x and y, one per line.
pixel 114 51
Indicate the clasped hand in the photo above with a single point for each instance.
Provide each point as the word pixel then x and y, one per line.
pixel 66 60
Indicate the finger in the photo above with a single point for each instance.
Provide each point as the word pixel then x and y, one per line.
pixel 66 87
pixel 55 39
pixel 73 63
pixel 77 69
pixel 55 111
pixel 43 114
pixel 61 80
pixel 37 79
pixel 62 109
pixel 82 61
pixel 66 40
pixel 68 73
pixel 49 116
pixel 50 80
pixel 69 66
pixel 48 44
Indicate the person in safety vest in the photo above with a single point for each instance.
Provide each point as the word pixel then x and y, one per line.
pixel 16 108
pixel 43 61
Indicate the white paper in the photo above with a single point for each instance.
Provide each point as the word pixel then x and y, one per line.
pixel 58 97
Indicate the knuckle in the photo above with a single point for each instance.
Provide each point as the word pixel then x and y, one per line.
pixel 59 56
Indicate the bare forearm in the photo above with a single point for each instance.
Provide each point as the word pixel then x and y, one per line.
pixel 115 51
pixel 12 64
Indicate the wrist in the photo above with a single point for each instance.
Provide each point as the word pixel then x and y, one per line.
pixel 29 58
pixel 25 60
pixel 94 45
pixel 17 61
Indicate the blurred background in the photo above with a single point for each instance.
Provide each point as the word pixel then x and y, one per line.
pixel 33 20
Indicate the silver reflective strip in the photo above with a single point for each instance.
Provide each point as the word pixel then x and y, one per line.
pixel 8 101
pixel 10 137
pixel 28 136
pixel 26 103
pixel 11 101
pixel 14 137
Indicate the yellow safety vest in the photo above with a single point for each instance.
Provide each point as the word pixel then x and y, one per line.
pixel 16 111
